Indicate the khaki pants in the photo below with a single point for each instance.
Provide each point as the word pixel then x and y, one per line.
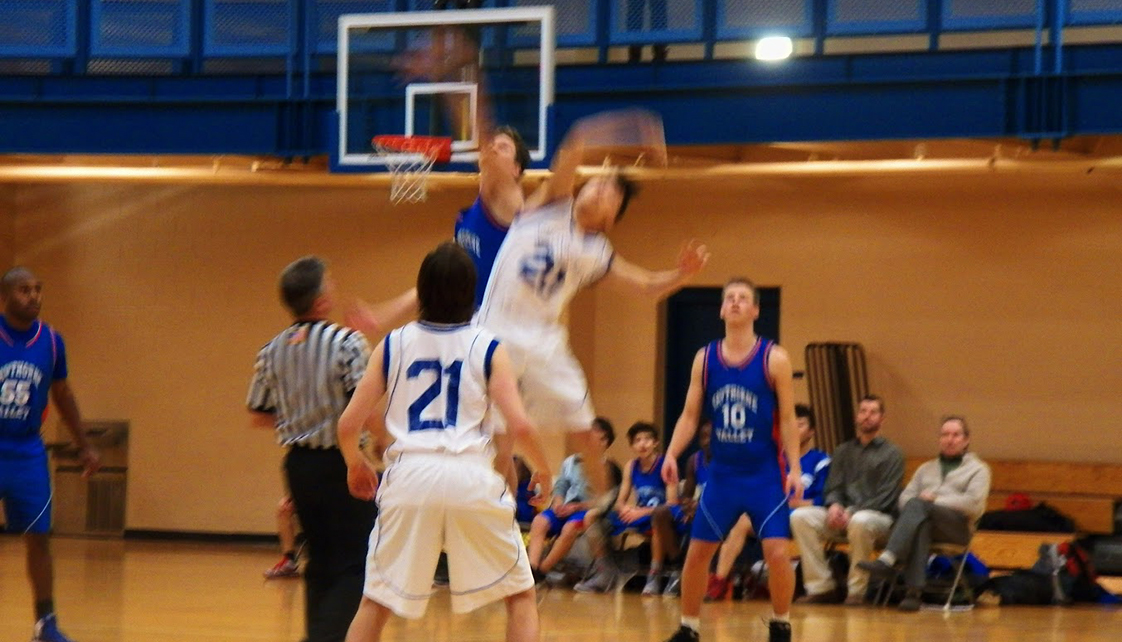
pixel 866 530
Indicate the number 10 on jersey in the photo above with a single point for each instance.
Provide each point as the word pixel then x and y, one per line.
pixel 446 383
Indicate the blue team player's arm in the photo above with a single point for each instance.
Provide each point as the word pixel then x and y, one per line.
pixel 67 406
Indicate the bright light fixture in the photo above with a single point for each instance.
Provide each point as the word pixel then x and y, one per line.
pixel 774 48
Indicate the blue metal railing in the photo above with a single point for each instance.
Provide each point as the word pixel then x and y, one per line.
pixel 153 29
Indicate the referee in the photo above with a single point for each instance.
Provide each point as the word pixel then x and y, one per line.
pixel 301 384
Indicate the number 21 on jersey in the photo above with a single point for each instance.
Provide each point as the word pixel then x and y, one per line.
pixel 444 391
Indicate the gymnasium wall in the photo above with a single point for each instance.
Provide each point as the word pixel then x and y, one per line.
pixel 996 296
pixel 7 224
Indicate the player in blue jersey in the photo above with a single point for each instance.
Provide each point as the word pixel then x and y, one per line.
pixel 646 503
pixel 743 385
pixel 815 465
pixel 33 369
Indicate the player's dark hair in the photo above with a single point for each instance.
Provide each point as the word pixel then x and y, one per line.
pixel 301 283
pixel 602 424
pixel 803 410
pixel 446 285
pixel 521 152
pixel 961 420
pixel 743 280
pixel 628 189
pixel 640 427
pixel 876 398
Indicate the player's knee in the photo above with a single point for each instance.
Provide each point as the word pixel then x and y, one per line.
pixel 572 529
pixel 539 526
pixel 802 517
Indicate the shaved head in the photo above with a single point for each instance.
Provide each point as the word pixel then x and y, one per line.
pixel 22 295
pixel 14 276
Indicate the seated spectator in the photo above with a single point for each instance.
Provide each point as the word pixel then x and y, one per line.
pixel 815 465
pixel 941 503
pixel 645 505
pixel 861 494
pixel 564 519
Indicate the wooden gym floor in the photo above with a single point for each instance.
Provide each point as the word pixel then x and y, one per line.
pixel 117 591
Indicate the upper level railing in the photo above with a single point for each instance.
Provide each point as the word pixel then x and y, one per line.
pixel 186 33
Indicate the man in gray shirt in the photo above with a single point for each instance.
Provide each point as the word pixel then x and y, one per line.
pixel 942 503
pixel 862 490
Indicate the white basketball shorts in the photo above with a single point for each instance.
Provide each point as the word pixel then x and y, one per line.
pixel 553 388
pixel 456 503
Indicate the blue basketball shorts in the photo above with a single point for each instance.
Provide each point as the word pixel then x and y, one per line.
pixel 729 494
pixel 556 523
pixel 25 487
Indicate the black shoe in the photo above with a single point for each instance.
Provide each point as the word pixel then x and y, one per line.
pixel 911 602
pixel 778 631
pixel 876 568
pixel 684 634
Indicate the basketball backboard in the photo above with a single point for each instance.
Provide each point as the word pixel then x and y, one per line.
pixel 516 58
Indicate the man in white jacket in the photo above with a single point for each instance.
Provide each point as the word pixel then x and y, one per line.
pixel 942 503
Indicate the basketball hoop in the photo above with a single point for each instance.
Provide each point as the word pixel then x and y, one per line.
pixel 410 160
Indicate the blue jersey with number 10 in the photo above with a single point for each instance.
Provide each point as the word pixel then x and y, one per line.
pixel 741 404
pixel 30 361
pixel 481 235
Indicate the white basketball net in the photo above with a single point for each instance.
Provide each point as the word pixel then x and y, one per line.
pixel 409 182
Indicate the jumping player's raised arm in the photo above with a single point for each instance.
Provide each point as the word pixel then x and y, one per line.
pixel 629 127
pixel 632 279
pixel 688 421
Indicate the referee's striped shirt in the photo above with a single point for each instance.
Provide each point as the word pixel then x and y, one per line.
pixel 306 376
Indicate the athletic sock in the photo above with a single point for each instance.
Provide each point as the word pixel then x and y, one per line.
pixel 290 556
pixel 693 623
pixel 775 617
pixel 888 557
pixel 43 608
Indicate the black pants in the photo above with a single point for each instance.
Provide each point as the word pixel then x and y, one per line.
pixel 336 529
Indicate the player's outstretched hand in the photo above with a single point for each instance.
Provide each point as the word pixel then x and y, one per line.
pixel 361 317
pixel 794 486
pixel 362 481
pixel 692 258
pixel 670 470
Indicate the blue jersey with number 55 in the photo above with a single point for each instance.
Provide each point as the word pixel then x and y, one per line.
pixel 741 404
pixel 30 361
pixel 436 378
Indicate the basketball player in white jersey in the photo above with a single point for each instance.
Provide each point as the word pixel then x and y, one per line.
pixel 440 490
pixel 558 249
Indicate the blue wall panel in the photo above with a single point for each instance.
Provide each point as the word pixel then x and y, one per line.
pixel 991 14
pixel 741 19
pixel 323 20
pixel 140 28
pixel 655 21
pixel 872 17
pixel 38 28
pixel 577 22
pixel 1094 12
pixel 249 27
